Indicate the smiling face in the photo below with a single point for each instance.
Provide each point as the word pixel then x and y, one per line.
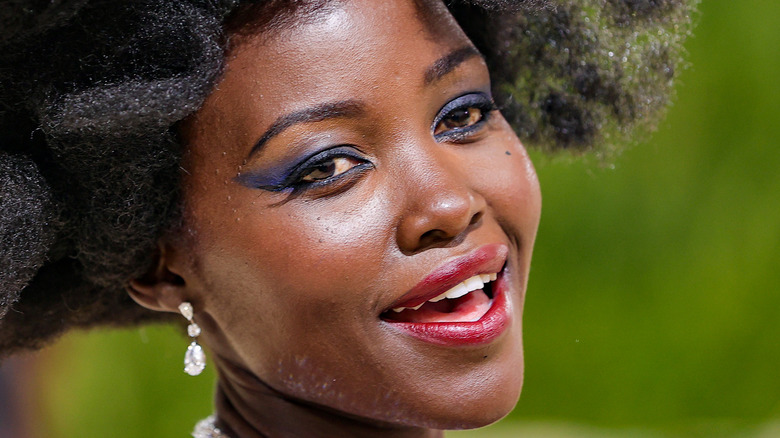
pixel 342 169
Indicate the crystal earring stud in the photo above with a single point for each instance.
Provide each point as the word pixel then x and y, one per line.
pixel 194 358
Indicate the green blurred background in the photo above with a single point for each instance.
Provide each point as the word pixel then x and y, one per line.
pixel 653 304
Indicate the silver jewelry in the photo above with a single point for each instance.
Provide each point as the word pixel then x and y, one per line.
pixel 194 358
pixel 207 428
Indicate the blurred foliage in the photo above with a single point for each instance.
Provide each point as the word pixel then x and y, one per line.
pixel 653 301
pixel 123 384
pixel 654 289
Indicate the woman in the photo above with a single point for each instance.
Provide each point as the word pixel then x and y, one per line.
pixel 325 190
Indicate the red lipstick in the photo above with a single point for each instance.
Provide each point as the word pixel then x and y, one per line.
pixel 484 260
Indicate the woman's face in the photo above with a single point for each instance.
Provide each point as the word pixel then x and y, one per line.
pixel 345 167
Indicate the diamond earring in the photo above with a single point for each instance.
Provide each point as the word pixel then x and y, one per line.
pixel 194 358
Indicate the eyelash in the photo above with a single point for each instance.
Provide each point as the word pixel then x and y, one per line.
pixel 480 101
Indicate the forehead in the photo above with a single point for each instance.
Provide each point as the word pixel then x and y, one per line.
pixel 355 48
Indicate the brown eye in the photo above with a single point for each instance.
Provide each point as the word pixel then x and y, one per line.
pixel 459 118
pixel 328 169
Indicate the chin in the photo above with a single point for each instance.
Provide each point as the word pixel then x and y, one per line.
pixel 471 412
pixel 485 406
pixel 485 412
pixel 479 397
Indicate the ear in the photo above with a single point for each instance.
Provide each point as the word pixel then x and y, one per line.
pixel 162 288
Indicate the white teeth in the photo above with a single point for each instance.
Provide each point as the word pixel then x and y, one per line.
pixel 474 283
pixel 456 288
pixel 401 309
pixel 457 291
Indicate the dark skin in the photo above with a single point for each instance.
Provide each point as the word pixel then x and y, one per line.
pixel 290 267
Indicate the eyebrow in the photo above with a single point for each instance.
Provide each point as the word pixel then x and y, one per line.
pixel 318 113
pixel 354 108
pixel 449 62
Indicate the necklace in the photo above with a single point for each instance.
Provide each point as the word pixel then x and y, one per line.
pixel 207 428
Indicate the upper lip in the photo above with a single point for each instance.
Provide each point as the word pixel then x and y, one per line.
pixel 483 260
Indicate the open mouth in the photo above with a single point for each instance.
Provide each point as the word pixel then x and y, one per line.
pixel 467 301
pixel 464 302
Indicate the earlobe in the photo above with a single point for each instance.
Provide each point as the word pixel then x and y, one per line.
pixel 160 289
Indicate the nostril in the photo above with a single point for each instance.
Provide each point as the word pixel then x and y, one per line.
pixel 432 236
pixel 476 218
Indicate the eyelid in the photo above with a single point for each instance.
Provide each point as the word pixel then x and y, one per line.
pixel 480 100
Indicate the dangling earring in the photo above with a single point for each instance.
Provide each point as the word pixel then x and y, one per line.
pixel 194 358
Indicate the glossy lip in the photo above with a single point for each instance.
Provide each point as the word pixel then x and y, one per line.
pixel 489 258
pixel 484 260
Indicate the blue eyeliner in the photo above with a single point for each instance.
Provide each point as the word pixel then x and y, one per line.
pixel 273 177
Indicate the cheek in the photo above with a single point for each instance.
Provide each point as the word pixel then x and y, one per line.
pixel 512 189
pixel 313 246
pixel 280 269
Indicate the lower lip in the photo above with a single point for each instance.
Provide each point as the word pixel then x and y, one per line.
pixel 486 330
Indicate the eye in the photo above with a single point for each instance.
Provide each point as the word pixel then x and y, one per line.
pixel 332 169
pixel 459 118
pixel 462 116
pixel 328 168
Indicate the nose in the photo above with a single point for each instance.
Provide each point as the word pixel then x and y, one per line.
pixel 440 208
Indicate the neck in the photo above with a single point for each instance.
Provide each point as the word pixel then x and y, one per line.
pixel 248 408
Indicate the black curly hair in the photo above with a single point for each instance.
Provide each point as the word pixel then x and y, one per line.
pixel 91 93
